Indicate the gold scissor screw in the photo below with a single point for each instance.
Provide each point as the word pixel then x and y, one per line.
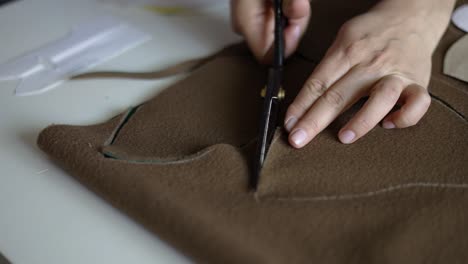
pixel 281 93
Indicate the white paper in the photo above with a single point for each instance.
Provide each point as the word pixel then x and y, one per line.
pixel 460 17
pixel 86 46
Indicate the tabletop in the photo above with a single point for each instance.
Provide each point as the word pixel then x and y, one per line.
pixel 45 215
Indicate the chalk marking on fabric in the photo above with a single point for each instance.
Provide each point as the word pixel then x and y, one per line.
pixel 389 189
pixel 181 160
pixel 168 161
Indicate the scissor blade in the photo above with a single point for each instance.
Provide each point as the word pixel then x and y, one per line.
pixel 263 143
pixel 270 105
pixel 267 123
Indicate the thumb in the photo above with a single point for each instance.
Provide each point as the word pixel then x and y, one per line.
pixel 298 14
pixel 254 19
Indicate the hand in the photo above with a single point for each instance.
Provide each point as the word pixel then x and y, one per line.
pixel 254 19
pixel 384 54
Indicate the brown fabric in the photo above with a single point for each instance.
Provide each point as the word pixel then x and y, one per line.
pixel 179 164
pixel 183 67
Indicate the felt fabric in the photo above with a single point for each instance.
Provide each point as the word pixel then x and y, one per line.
pixel 182 67
pixel 456 60
pixel 179 164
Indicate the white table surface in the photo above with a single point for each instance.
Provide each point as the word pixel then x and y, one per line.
pixel 45 215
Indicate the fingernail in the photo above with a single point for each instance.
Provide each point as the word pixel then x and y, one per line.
pixel 347 136
pixel 388 125
pixel 290 123
pixel 298 137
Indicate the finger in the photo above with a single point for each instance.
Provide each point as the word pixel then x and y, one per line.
pixel 298 14
pixel 416 102
pixel 330 69
pixel 383 97
pixel 243 12
pixel 296 9
pixel 254 19
pixel 334 101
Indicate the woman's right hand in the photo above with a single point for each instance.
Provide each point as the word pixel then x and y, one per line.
pixel 254 19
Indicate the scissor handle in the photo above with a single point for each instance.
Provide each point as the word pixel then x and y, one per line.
pixel 278 56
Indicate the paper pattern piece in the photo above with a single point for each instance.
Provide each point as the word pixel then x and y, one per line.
pixel 86 46
pixel 456 60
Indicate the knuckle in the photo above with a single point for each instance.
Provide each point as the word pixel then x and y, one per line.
pixel 295 109
pixel 378 62
pixel 373 68
pixel 315 88
pixel 363 125
pixel 381 57
pixel 311 126
pixel 355 50
pixel 388 91
pixel 348 30
pixel 334 98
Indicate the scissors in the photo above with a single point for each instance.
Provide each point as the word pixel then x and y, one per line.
pixel 273 94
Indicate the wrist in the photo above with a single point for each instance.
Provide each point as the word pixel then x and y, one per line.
pixel 418 7
pixel 428 18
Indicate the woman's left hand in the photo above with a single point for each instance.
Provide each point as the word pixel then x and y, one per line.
pixel 384 54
